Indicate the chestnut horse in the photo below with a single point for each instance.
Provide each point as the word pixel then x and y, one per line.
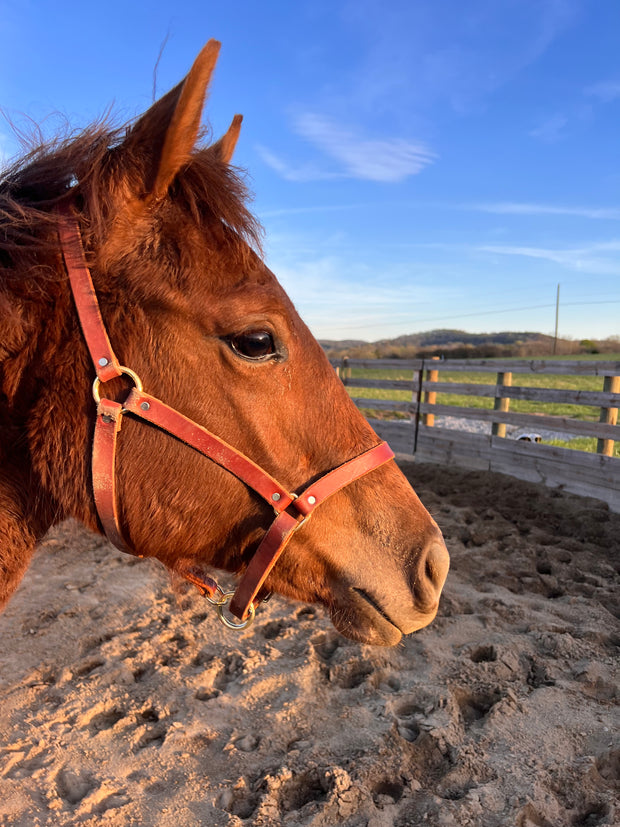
pixel 203 325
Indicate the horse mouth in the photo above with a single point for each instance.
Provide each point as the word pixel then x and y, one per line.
pixel 365 620
pixel 375 605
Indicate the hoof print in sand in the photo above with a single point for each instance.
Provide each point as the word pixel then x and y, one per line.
pixel 275 629
pixel 387 792
pixel 483 654
pixel 151 731
pixel 475 705
pixel 326 645
pixel 72 786
pixel 350 675
pixel 102 717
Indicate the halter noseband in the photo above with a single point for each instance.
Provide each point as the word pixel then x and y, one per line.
pixel 292 510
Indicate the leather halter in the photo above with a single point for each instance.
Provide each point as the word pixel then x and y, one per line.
pixel 291 510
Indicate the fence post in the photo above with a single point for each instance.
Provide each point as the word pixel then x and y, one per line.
pixel 430 397
pixel 345 370
pixel 418 401
pixel 502 403
pixel 609 416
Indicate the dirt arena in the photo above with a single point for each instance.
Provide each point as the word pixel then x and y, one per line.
pixel 123 703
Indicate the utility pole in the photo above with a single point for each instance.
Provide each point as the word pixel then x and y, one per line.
pixel 557 315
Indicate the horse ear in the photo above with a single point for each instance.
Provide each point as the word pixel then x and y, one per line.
pixel 167 132
pixel 225 147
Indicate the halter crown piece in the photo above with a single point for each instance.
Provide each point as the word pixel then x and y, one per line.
pixel 291 510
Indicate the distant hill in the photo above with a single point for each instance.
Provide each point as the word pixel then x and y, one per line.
pixel 459 344
pixel 443 337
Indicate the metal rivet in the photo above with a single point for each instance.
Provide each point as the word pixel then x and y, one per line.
pixel 311 500
pixel 103 362
pixel 275 497
pixel 106 418
pixel 145 406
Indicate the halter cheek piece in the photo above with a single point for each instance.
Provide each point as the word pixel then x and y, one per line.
pixel 292 510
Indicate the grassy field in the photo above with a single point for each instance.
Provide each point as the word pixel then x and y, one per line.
pixel 580 412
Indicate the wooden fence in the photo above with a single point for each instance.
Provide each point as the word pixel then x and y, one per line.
pixel 419 432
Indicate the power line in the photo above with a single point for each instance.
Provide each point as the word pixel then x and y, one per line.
pixel 425 320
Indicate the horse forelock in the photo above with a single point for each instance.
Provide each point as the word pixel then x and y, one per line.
pixel 98 172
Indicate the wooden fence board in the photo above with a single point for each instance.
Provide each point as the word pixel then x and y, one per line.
pixel 573 471
pixel 559 367
pixel 565 396
pixel 561 424
pixel 394 384
pixel 590 475
pixel 565 367
pixel 458 448
pixel 399 434
pixel 373 364
pixel 387 404
pixel 580 464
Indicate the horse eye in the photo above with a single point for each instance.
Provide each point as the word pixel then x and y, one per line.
pixel 253 344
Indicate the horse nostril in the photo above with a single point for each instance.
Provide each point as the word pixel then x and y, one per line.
pixel 432 570
pixel 437 563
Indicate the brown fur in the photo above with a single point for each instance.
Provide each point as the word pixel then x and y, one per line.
pixel 175 257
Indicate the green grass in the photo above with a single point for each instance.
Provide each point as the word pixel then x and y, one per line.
pixel 582 443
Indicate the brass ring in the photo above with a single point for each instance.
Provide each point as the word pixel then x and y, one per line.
pixel 123 371
pixel 243 624
pixel 220 600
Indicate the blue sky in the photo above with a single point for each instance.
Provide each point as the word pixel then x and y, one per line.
pixel 419 164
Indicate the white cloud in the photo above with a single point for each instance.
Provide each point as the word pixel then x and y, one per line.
pixel 316 208
pixel 350 154
pixel 304 172
pixel 382 159
pixel 550 130
pixel 420 54
pixel 605 91
pixel 516 208
pixel 599 258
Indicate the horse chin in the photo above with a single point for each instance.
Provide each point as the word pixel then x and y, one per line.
pixel 376 631
pixel 365 621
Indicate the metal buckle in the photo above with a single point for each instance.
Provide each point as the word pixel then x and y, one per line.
pixel 125 372
pixel 231 624
pixel 220 600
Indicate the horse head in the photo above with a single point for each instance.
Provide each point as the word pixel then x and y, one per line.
pixel 192 309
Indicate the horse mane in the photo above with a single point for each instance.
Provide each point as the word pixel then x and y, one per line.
pixel 88 169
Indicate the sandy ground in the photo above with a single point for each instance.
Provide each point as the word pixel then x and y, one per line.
pixel 124 703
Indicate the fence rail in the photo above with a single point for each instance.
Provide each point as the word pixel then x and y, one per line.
pixel 421 428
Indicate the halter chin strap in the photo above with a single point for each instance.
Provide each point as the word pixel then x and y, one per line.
pixel 292 510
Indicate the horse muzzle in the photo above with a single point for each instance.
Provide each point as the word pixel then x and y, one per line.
pixel 380 608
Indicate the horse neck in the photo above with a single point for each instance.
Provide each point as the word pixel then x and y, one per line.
pixel 37 327
pixel 20 526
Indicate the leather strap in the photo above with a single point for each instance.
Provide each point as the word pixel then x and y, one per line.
pixel 101 353
pixel 107 427
pixel 292 511
pixel 263 560
pixel 340 477
pixel 285 525
pixel 156 412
